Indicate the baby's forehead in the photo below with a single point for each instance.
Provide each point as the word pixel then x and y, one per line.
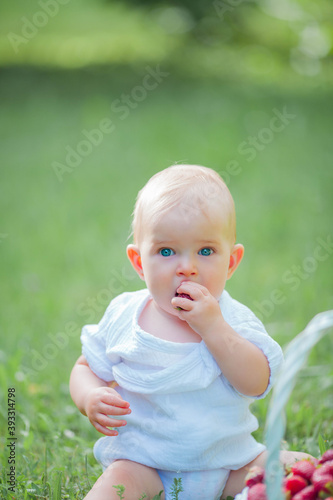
pixel 189 208
pixel 189 192
pixel 210 222
pixel 190 204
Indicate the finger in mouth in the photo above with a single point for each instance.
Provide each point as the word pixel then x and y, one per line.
pixel 184 295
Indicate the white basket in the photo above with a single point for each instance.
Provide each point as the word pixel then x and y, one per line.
pixel 296 355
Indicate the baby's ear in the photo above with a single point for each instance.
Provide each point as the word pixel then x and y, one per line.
pixel 133 253
pixel 236 256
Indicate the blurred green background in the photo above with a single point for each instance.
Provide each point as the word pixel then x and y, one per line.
pixel 96 96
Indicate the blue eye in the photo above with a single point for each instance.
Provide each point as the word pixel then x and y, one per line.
pixel 166 252
pixel 206 251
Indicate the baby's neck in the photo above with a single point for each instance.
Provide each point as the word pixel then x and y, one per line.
pixel 163 325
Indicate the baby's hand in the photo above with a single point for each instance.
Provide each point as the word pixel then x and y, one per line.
pixel 101 402
pixel 201 310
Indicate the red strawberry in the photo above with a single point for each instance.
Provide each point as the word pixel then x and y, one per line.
pixel 322 481
pixel 255 475
pixel 328 455
pixel 257 492
pixel 308 493
pixel 183 295
pixel 327 467
pixel 304 468
pixel 295 483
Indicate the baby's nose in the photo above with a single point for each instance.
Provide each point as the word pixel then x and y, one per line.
pixel 186 268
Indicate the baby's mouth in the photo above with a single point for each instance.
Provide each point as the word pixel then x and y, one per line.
pixel 183 295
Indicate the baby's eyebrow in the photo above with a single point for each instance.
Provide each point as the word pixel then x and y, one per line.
pixel 208 242
pixel 200 243
pixel 163 242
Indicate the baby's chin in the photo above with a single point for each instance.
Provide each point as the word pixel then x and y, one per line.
pixel 165 308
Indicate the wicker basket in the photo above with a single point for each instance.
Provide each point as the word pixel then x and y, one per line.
pixel 296 355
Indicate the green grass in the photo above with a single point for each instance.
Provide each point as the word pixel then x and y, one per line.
pixel 63 244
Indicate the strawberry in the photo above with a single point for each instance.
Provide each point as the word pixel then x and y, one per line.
pixel 328 455
pixel 308 493
pixel 322 481
pixel 304 468
pixel 255 475
pixel 257 492
pixel 327 467
pixel 183 295
pixel 295 483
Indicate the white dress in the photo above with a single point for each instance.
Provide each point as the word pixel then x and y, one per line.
pixel 185 416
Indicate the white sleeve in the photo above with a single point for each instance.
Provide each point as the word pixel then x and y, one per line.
pixel 246 323
pixel 94 339
pixel 254 332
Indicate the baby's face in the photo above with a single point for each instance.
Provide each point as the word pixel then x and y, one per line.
pixel 175 249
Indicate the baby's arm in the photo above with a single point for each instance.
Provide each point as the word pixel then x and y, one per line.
pixel 241 362
pixel 95 399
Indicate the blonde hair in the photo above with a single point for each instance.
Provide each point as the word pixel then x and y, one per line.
pixel 193 187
